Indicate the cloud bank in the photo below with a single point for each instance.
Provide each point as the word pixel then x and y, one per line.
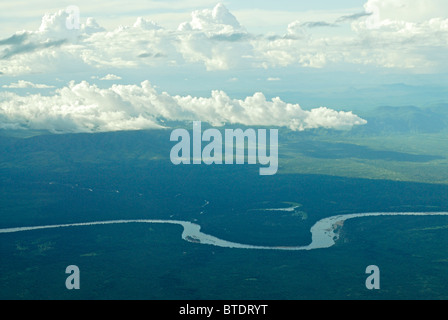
pixel 83 107
pixel 401 34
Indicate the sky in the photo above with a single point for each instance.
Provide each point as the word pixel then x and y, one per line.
pixel 297 64
pixel 257 16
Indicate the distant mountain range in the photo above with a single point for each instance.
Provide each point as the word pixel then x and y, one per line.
pixel 406 119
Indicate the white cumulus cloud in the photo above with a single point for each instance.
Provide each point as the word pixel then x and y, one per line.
pixel 216 21
pixel 110 77
pixel 22 84
pixel 84 107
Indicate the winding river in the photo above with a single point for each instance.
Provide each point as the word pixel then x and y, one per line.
pixel 323 233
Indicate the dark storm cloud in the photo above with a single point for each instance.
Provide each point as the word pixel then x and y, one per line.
pixel 234 37
pixel 353 17
pixel 28 47
pixel 318 24
pixel 347 18
pixel 14 40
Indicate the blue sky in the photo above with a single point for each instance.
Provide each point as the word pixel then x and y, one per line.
pixel 225 62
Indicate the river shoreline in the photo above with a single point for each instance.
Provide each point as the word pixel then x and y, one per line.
pixel 323 232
